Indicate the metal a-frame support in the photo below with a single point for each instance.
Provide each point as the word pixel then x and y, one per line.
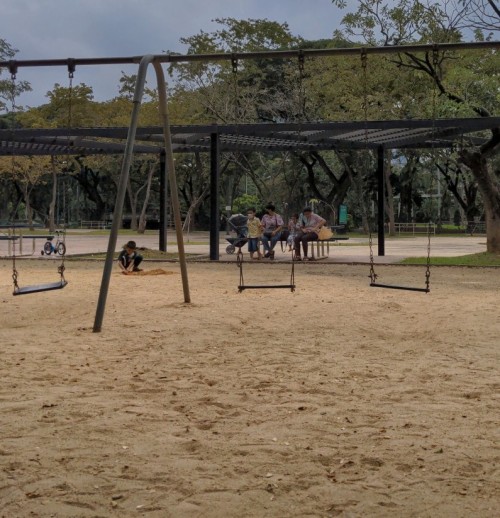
pixel 124 175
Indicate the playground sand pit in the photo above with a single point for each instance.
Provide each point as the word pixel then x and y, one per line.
pixel 336 400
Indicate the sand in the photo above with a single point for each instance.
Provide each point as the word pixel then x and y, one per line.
pixel 336 400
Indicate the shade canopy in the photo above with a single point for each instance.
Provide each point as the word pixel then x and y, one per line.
pixel 262 137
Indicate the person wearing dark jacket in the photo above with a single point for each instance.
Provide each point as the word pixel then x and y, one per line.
pixel 129 259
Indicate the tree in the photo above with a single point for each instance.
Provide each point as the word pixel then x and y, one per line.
pixel 25 173
pixel 137 184
pixel 390 23
pixel 482 15
pixel 464 188
pixel 336 185
pixel 10 88
pixel 233 92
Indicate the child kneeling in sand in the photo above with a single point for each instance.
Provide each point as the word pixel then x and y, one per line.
pixel 129 259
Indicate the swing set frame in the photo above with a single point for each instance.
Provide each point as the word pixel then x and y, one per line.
pixel 214 138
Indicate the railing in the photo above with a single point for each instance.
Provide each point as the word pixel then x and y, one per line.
pixel 414 228
pixel 94 224
pixel 476 227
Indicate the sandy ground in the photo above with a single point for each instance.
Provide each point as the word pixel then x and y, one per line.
pixel 336 400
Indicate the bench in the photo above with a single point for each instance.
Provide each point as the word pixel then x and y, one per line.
pixel 322 245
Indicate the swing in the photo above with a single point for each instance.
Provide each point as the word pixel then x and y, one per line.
pixel 36 288
pixel 239 254
pixel 373 276
pixel 242 286
pixel 61 283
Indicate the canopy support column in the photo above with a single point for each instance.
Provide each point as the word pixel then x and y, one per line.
pixel 214 197
pixel 381 201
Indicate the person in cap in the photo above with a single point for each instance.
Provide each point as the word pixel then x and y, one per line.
pixel 129 259
pixel 310 223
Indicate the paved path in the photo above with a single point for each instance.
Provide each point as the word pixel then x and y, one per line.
pixel 353 250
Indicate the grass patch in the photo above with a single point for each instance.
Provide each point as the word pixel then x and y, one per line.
pixel 481 259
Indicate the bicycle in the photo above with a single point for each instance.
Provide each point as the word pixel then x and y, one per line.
pixel 57 248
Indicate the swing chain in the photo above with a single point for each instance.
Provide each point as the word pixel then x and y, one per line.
pixel 13 73
pixel 435 63
pixel 234 67
pixel 236 99
pixel 60 270
pixel 373 276
pixel 302 107
pixel 14 278
pixel 364 62
pixel 71 70
pixel 428 267
pixel 239 263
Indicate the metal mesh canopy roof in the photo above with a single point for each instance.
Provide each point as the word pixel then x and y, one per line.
pixel 311 136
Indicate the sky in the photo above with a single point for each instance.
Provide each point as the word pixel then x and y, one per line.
pixel 58 29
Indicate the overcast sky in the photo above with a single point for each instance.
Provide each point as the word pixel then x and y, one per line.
pixel 52 29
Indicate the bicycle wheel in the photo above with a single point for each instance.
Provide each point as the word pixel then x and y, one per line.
pixel 61 248
pixel 47 247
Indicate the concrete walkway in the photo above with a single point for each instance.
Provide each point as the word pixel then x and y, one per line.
pixel 355 250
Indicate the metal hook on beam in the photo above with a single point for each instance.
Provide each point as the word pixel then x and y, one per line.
pixel 13 68
pixel 234 63
pixel 71 67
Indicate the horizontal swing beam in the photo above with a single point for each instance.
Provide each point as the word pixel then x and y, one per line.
pixel 394 287
pixel 13 65
pixel 37 288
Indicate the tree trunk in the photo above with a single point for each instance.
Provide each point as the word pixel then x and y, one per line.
pixel 90 182
pixel 133 206
pixel 195 203
pixel 28 209
pixel 142 218
pixel 357 179
pixel 490 191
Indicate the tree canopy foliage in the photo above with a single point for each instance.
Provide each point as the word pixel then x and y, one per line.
pixel 396 86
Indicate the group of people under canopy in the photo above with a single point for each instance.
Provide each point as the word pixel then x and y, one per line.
pixel 300 230
pixel 268 230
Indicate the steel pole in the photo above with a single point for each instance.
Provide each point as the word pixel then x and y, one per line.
pixel 122 188
pixel 163 204
pixel 172 180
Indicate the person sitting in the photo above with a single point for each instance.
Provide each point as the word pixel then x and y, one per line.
pixel 272 224
pixel 129 259
pixel 310 223
pixel 254 232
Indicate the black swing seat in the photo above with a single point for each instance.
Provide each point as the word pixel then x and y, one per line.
pixel 266 286
pixel 393 287
pixel 36 288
